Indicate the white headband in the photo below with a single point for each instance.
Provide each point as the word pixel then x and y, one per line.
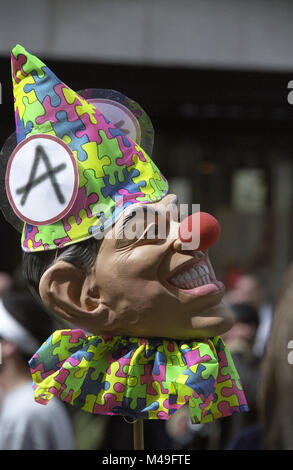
pixel 13 331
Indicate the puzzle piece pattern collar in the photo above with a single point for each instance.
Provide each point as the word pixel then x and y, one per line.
pixel 136 377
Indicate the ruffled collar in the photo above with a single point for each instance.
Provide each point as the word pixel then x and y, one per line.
pixel 138 377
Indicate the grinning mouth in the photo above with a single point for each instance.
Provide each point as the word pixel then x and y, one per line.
pixel 191 275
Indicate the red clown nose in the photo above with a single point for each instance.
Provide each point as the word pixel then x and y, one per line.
pixel 209 229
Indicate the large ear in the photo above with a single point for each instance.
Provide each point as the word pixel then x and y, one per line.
pixel 72 295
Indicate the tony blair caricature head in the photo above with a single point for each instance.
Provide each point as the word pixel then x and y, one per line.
pixel 104 243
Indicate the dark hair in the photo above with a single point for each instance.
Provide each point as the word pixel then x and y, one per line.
pixel 82 255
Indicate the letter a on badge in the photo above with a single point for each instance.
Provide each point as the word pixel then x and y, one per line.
pixel 41 179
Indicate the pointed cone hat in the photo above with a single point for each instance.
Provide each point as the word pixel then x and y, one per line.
pixel 75 167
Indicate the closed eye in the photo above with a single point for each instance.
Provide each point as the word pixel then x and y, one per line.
pixel 147 225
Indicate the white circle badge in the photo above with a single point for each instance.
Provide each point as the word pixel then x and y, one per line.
pixel 120 116
pixel 41 179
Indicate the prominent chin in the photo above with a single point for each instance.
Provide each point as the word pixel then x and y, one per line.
pixel 217 328
pixel 214 322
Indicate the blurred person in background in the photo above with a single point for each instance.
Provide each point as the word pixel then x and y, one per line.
pixel 276 386
pixel 248 289
pixel 274 398
pixel 240 341
pixel 24 424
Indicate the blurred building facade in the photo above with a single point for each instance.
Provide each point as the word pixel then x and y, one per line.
pixel 214 78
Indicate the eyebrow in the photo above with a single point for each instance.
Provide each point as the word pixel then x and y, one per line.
pixel 144 208
pixel 125 221
pixel 132 214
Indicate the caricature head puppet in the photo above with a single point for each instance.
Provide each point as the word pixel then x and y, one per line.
pixel 145 308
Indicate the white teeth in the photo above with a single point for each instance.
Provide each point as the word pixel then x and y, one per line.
pixel 201 270
pixel 187 277
pixel 195 277
pixel 194 273
pixel 181 279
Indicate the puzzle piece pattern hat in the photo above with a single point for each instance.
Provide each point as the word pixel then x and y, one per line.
pixel 73 171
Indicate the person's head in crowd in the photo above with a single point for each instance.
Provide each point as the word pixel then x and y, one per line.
pixel 247 289
pixel 276 379
pixel 242 333
pixel 24 326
